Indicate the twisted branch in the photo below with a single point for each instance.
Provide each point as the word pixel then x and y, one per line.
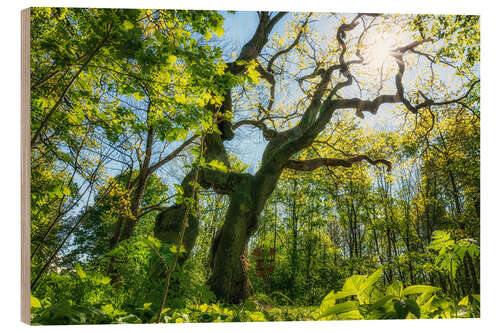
pixel 313 164
pixel 266 132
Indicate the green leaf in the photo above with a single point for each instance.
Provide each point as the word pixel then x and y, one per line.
pixel 127 25
pixel 340 308
pixel 464 301
pixel 428 304
pixel 137 96
pixel 343 294
pixel 411 316
pixel 35 303
pixel 371 280
pixel 413 307
pixel 66 191
pixel 219 31
pixel 353 283
pixel 108 308
pixel 253 75
pixel 351 315
pixel 419 289
pixel 382 302
pixel 179 189
pixel 176 134
pixel 151 242
pixel 217 165
pixel 400 307
pixel 105 280
pixel 130 319
pixel 421 299
pixel 394 289
pixel 172 58
pixel 58 193
pixel 79 271
pixel 173 249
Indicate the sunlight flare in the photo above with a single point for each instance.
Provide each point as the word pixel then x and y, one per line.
pixel 380 51
pixel 380 45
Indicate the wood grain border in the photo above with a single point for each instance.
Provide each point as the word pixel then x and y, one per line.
pixel 25 167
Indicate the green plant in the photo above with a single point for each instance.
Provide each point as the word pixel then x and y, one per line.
pixel 450 253
pixel 361 298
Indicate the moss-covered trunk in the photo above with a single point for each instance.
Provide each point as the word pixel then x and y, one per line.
pixel 229 280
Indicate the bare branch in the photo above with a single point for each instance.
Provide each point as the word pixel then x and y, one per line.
pixel 313 164
pixel 172 155
pixel 266 132
pixel 290 47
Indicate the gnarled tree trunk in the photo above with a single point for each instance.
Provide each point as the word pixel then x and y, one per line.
pixel 229 280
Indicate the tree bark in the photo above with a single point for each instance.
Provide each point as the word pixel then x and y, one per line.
pixel 229 280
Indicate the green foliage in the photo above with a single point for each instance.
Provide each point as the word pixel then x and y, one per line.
pixel 459 36
pixel 362 297
pixel 450 253
pixel 371 301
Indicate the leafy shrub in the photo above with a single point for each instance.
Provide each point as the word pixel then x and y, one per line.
pixel 360 298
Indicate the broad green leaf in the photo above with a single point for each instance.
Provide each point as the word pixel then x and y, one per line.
pixel 351 315
pixel 394 289
pixel 419 289
pixel 464 301
pixel 353 283
pixel 427 307
pixel 382 302
pixel 340 308
pixel 130 319
pixel 217 165
pixel 421 299
pixel 371 280
pixel 411 316
pixel 343 294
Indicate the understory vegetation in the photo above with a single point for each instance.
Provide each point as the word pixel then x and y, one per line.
pixel 326 169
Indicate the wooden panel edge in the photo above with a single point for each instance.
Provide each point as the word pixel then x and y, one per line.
pixel 25 168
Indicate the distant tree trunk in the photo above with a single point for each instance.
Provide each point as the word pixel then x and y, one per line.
pixel 409 249
pixel 125 225
pixel 471 278
pixel 294 254
pixel 390 274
